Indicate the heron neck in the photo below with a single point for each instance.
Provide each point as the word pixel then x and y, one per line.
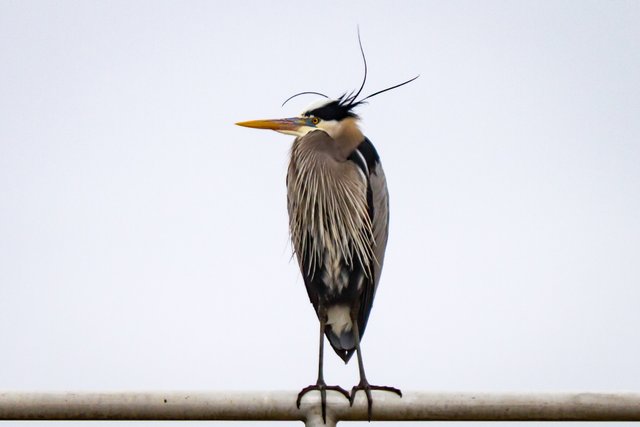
pixel 347 137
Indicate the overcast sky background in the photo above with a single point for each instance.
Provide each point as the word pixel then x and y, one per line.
pixel 143 236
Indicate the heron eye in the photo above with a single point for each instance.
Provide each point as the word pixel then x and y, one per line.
pixel 315 120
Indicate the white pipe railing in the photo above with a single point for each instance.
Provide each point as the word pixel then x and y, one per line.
pixel 280 406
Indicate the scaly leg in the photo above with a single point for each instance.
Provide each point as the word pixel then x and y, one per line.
pixel 320 385
pixel 364 384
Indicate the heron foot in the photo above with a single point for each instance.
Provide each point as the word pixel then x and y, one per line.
pixel 322 388
pixel 366 387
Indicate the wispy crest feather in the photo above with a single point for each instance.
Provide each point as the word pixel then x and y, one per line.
pixel 348 101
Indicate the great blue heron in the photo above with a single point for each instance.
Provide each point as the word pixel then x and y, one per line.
pixel 338 207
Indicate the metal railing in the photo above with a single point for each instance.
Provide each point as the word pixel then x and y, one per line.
pixel 280 406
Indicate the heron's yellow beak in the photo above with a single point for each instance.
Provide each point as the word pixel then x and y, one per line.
pixel 290 124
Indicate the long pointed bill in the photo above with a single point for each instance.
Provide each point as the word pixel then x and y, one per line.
pixel 290 124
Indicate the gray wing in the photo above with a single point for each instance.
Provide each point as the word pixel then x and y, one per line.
pixel 380 220
pixel 378 199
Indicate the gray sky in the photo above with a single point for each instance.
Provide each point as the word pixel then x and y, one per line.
pixel 143 236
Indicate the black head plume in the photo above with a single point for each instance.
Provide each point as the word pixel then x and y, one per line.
pixel 336 109
pixel 352 99
pixel 342 107
pixel 303 93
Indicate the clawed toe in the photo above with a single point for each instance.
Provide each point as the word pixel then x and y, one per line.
pixel 366 387
pixel 322 388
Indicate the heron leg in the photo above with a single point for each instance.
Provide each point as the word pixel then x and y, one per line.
pixel 320 385
pixel 364 384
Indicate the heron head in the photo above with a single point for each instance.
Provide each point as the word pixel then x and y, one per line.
pixel 334 116
pixel 329 115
